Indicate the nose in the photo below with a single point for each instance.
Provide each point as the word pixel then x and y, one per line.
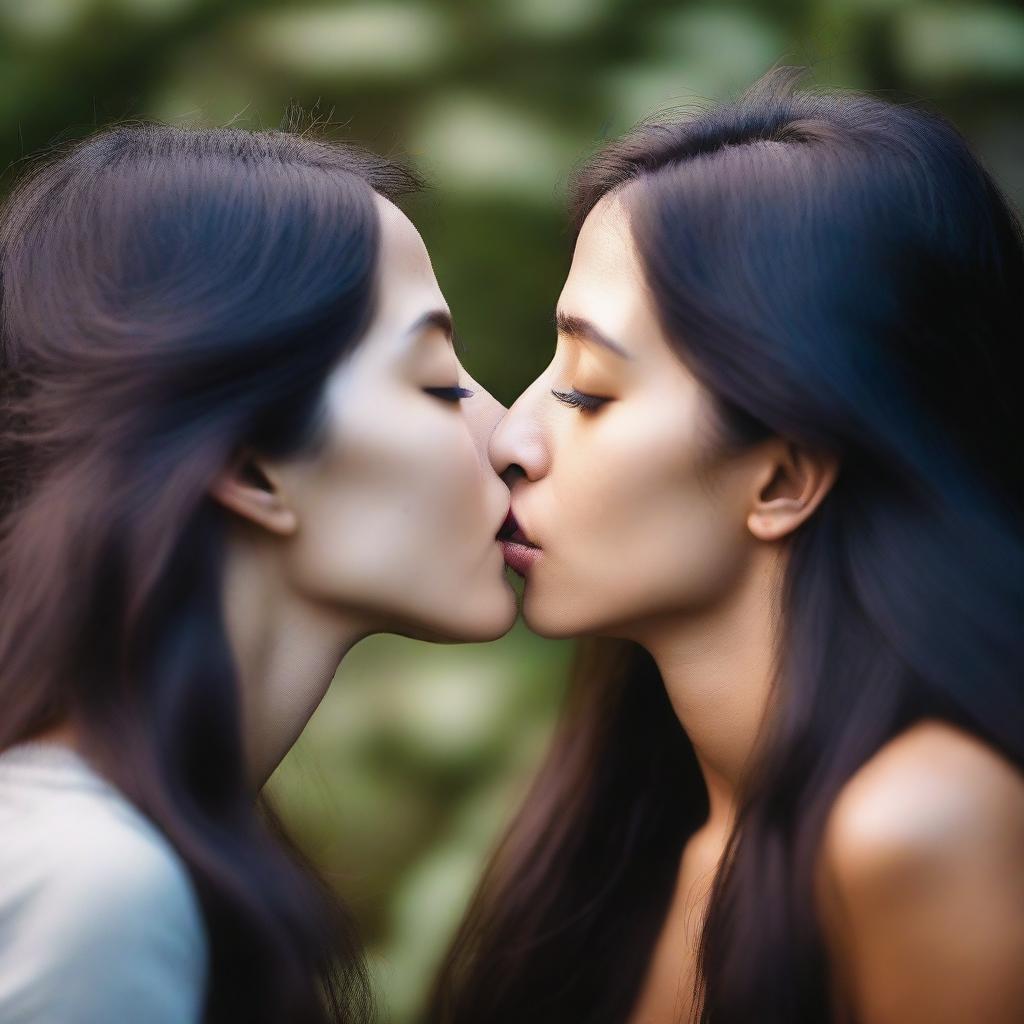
pixel 519 441
pixel 482 412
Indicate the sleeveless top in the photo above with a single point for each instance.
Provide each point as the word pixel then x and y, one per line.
pixel 99 922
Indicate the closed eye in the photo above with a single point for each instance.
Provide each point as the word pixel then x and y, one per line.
pixel 449 394
pixel 580 400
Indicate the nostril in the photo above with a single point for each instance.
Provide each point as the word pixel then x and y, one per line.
pixel 512 473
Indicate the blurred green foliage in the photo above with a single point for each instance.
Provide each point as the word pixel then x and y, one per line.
pixel 419 753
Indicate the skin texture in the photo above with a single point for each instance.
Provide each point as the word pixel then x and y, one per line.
pixel 649 532
pixel 646 533
pixel 920 884
pixel 389 526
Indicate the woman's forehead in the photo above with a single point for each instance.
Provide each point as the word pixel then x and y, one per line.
pixel 406 273
pixel 605 283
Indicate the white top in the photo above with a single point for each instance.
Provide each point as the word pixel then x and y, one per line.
pixel 99 922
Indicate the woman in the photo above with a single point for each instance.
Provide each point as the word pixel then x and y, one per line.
pixel 233 445
pixel 775 453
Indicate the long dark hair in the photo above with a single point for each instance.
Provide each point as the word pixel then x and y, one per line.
pixel 841 272
pixel 168 296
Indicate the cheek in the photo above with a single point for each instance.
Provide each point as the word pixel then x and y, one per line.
pixel 640 532
pixel 391 508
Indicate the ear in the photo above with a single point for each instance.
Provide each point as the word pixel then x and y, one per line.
pixel 248 487
pixel 791 484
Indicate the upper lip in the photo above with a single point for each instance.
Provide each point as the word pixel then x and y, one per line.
pixel 511 530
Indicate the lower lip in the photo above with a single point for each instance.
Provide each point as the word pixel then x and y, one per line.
pixel 519 557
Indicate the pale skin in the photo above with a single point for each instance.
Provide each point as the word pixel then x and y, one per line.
pixel 388 527
pixel 646 534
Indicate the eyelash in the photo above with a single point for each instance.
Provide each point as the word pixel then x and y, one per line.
pixel 580 400
pixel 449 394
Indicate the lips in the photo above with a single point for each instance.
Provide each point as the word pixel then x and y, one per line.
pixel 512 532
pixel 519 551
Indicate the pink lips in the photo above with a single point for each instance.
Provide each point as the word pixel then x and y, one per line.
pixel 519 552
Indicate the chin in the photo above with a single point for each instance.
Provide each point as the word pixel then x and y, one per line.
pixel 476 619
pixel 560 619
pixel 552 623
pixel 493 620
pixel 485 632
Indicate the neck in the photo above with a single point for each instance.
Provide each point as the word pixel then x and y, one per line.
pixel 718 668
pixel 286 649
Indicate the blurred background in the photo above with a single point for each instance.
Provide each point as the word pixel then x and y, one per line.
pixel 419 753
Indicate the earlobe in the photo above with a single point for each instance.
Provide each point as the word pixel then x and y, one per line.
pixel 791 485
pixel 246 488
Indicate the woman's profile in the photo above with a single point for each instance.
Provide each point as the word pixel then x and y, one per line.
pixel 774 466
pixel 236 439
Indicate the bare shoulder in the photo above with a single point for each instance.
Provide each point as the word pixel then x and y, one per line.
pixel 933 795
pixel 920 889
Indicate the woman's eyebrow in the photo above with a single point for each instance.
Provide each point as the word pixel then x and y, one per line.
pixel 577 327
pixel 440 319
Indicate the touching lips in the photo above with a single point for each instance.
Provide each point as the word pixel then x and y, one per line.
pixel 519 552
pixel 507 527
pixel 512 532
